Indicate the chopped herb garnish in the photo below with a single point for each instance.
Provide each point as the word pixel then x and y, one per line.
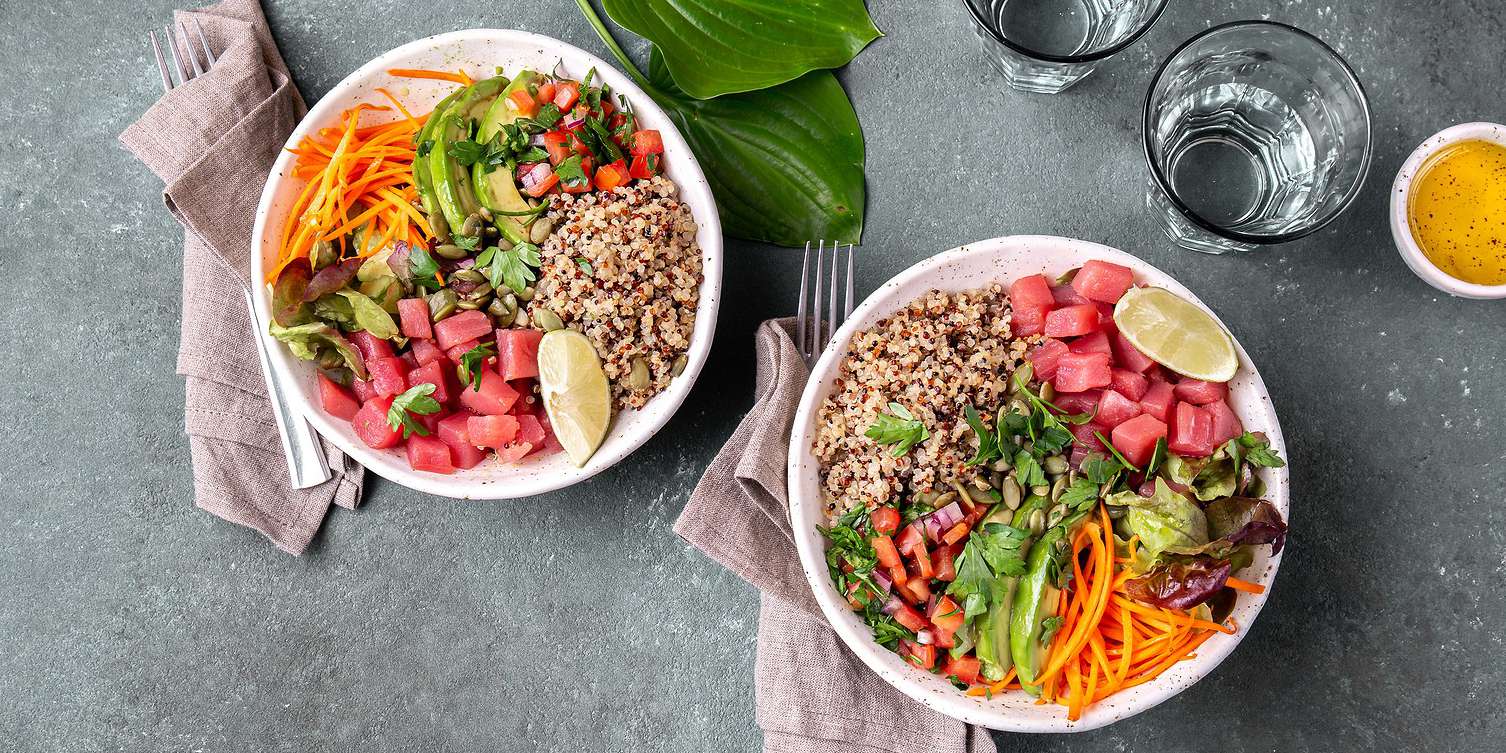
pixel 467 242
pixel 988 441
pixel 1115 452
pixel 424 147
pixel 471 362
pixel 1049 626
pixel 416 400
pixel 466 152
pixel 899 428
pixel 512 268
pixel 425 269
pixel 585 266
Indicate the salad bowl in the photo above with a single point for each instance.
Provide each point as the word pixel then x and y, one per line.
pixel 1002 260
pixel 486 50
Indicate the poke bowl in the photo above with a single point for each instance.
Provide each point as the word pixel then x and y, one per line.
pixel 1011 507
pixel 452 207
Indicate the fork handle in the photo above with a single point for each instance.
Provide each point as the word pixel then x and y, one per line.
pixel 307 465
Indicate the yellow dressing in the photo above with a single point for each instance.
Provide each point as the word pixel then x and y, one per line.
pixel 1457 211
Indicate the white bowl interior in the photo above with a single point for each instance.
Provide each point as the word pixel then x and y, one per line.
pixel 1401 194
pixel 479 51
pixel 969 267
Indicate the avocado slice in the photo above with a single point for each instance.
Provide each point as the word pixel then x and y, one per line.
pixel 500 112
pixel 497 190
pixel 994 651
pixel 423 179
pixel 1035 599
pixel 452 182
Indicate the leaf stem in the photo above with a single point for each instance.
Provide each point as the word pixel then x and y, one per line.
pixel 616 49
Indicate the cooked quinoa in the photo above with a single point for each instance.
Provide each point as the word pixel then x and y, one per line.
pixel 623 268
pixel 941 353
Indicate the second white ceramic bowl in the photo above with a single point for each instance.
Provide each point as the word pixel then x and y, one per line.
pixel 1401 194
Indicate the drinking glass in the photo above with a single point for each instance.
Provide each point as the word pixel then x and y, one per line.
pixel 1256 133
pixel 1048 45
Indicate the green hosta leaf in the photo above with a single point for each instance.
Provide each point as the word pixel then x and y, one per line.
pixel 716 47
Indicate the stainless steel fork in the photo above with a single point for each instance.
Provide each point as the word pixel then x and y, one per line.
pixel 307 465
pixel 814 327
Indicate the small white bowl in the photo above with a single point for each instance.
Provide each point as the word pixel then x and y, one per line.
pixel 969 267
pixel 479 51
pixel 1401 191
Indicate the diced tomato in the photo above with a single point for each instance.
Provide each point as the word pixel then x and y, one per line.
pixel 1079 402
pixel 426 352
pixel 1044 358
pixel 858 596
pixel 1128 383
pixel 530 430
pixel 918 588
pixel 1103 281
pixel 580 186
pixel 646 142
pixel 885 520
pixel 964 668
pixel 944 640
pixel 1115 409
pixel 923 567
pixel 492 431
pixel 1136 438
pixel 557 143
pixel 578 145
pixel 545 92
pixel 514 452
pixel 429 454
pixel 437 374
pixel 946 615
pixel 370 424
pixel 1031 292
pixel 908 617
pixel 1071 321
pixel 389 376
pixel 1066 295
pixel 610 176
pixel 414 313
pixel 518 353
pixel 1191 432
pixel 883 548
pixel 921 656
pixel 946 564
pixel 460 327
pixel 565 94
pixel 336 400
pixel 1085 435
pixel 909 538
pixel 899 575
pixel 494 398
pixel 523 102
pixel 1198 392
pixel 539 179
pixel 1076 372
pixel 645 166
pixel 1226 424
pixel 1027 322
pixel 1093 342
pixel 956 533
pixel 371 346
pixel 1158 401
pixel 1128 356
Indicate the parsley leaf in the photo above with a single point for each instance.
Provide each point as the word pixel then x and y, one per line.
pixel 467 152
pixel 988 442
pixel 423 266
pixel 570 170
pixel 471 363
pixel 1100 469
pixel 902 429
pixel 1049 627
pixel 1081 494
pixel 512 268
pixel 1257 451
pixel 467 242
pixel 548 115
pixel 1028 470
pixel 585 266
pixel 416 400
pixel 424 147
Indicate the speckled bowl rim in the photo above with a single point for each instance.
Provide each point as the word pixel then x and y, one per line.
pixel 481 49
pixel 962 268
pixel 1401 194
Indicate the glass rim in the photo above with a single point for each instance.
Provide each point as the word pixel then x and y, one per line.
pixel 1235 235
pixel 1093 57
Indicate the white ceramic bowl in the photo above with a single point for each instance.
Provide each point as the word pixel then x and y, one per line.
pixel 1401 192
pixel 479 51
pixel 968 267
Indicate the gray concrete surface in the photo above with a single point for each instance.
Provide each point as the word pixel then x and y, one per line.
pixel 577 621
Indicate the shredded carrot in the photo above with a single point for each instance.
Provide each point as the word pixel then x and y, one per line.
pixel 1244 585
pixel 458 77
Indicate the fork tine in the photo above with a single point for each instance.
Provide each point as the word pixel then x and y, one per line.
pixel 172 47
pixel 800 318
pixel 836 265
pixel 167 79
pixel 204 41
pixel 847 303
pixel 193 57
pixel 818 344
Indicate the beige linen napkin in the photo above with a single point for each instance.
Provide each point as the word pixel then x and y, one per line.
pixel 812 693
pixel 212 141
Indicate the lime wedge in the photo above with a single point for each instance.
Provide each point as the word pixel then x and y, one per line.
pixel 1177 334
pixel 575 391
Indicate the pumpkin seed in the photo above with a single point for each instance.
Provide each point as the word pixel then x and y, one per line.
pixel 1019 406
pixel 547 320
pixel 500 313
pixel 450 251
pixel 942 500
pixel 539 231
pixel 521 319
pixel 1037 522
pixel 439 225
pixel 678 367
pixel 1055 465
pixel 996 479
pixel 1058 487
pixel 1057 513
pixel 1013 494
pixel 482 292
pixel 638 376
pixel 468 305
pixel 486 214
pixel 540 287
pixel 927 497
pixel 527 294
pixel 442 303
pixel 980 496
pixel 1040 490
pixel 1002 464
pixel 472 225
pixel 467 275
pixel 1047 392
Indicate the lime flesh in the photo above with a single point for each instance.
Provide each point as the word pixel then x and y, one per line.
pixel 576 395
pixel 1177 334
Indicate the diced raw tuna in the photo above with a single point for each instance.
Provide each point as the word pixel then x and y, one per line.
pixel 389 376
pixel 1128 356
pixel 1072 321
pixel 370 424
pixel 518 353
pixel 1226 424
pixel 371 346
pixel 1076 372
pixel 1043 359
pixel 1129 383
pixel 1198 392
pixel 1115 409
pixel 1158 401
pixel 363 389
pixel 438 374
pixel 1027 322
pixel 453 431
pixel 1066 295
pixel 492 431
pixel 408 359
pixel 426 352
pixel 1093 342
pixel 1079 402
pixel 462 326
pixel 1031 292
pixel 551 443
pixel 429 454
pixel 1085 436
pixel 1191 433
pixel 530 430
pixel 454 354
pixel 493 399
pixel 1158 373
pixel 337 401
pixel 430 422
pixel 414 313
pixel 1103 281
pixel 514 452
pixel 1136 438
pixel 1079 454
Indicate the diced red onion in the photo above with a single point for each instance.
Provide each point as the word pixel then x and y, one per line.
pixel 537 140
pixel 948 516
pixel 931 605
pixel 571 122
pixel 932 527
pixel 883 580
pixel 892 605
pixel 465 263
pixel 537 175
pixel 925 638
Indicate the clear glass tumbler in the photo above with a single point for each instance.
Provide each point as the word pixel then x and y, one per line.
pixel 1048 45
pixel 1256 133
